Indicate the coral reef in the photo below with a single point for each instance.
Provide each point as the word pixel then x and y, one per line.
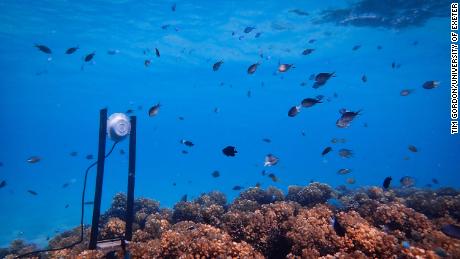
pixel 361 223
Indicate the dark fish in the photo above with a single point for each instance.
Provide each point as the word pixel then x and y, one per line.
pixel 113 51
pixel 267 140
pixel 285 67
pixel 258 35
pixel 307 51
pixel 351 180
pixel 65 185
pixel 217 65
pixel 356 47
pixel 407 181
pixel 43 48
pixel 89 202
pixel 215 174
pixel 309 102
pixel 34 159
pixel 153 111
pixel 129 111
pixel 229 151
pixel 184 198
pixel 184 152
pixel 66 206
pixel 293 111
pixel 73 153
pixel 147 62
pixel 326 150
pixel 188 143
pixel 338 228
pixel 451 230
pixel 312 41
pixel 122 152
pixel 386 182
pixel 1 164
pixel 32 192
pixel 157 52
pixel 257 185
pixel 252 68
pixel 412 148
pixel 345 153
pixel 2 184
pixel 415 43
pixel 89 157
pixel 322 78
pixel 273 177
pixel 181 118
pixel 393 65
pixel 249 94
pixel 71 50
pixel 430 84
pixel 174 184
pixel 166 26
pixel 173 7
pixel 263 172
pixel 89 57
pixel 364 78
pixel 379 47
pixel 298 12
pixel 346 118
pixel 237 188
pixel 270 160
pixel 344 171
pixel 406 92
pixel 435 181
pixel 248 29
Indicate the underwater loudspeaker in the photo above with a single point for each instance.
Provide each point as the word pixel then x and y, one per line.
pixel 118 126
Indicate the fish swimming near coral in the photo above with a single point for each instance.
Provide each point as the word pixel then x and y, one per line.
pixel 273 177
pixel 89 57
pixel 451 230
pixel 347 117
pixel 345 153
pixel 338 228
pixel 252 68
pixel 322 78
pixel 270 160
pixel 293 111
pixel 71 50
pixel 430 85
pixel 188 143
pixel 386 182
pixel 326 150
pixel 285 67
pixel 307 51
pixel 248 29
pixel 310 102
pixel 407 181
pixel 89 157
pixel 2 184
pixel 406 92
pixel 344 171
pixel 215 174
pixel 157 52
pixel 237 188
pixel 412 148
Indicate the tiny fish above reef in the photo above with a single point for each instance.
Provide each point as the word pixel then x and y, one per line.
pixel 252 68
pixel 451 230
pixel 407 181
pixel 345 153
pixel 258 35
pixel 173 7
pixel 406 92
pixel 66 206
pixel 347 117
pixel 273 177
pixel 188 143
pixel 32 192
pixel 326 150
pixel 322 78
pixel 73 153
pixel 293 111
pixel 89 157
pixel 338 228
pixel 338 140
pixel 412 148
pixel 65 185
pixel 215 174
pixel 153 111
pixel 217 65
pixel 266 140
pixel 248 29
pixel 229 151
pixel 89 57
pixel 309 102
pixel 270 160
pixel 344 171
pixel 430 84
pixel 34 159
pixel 112 51
pixel 147 62
pixel 43 48
pixel 184 198
pixel 351 180
pixel 387 182
pixel 157 52
pixel 2 184
pixel 307 51
pixel 71 50
pixel 298 12
pixel 312 41
pixel 237 188
pixel 285 67
pixel 356 47
pixel 364 78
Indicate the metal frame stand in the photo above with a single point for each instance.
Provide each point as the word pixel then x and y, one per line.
pixel 100 179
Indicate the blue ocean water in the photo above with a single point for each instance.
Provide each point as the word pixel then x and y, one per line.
pixel 50 103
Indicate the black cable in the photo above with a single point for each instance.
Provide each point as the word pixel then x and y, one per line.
pixel 82 213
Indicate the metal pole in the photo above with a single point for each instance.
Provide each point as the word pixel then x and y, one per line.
pixel 99 179
pixel 131 180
